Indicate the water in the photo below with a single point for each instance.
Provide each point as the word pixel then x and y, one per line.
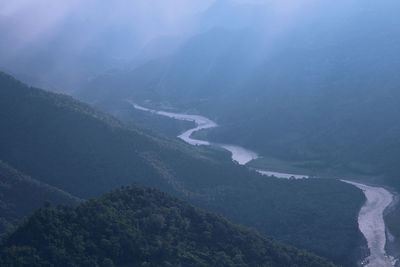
pixel 200 121
pixel 370 218
pixel 372 225
pixel 240 154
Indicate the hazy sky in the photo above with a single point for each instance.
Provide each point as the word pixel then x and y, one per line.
pixel 134 22
pixel 31 19
pixel 59 33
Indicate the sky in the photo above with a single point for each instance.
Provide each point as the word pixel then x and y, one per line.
pixel 33 19
pixel 63 33
pixel 60 38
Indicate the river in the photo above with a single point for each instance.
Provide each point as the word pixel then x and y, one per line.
pixel 240 154
pixel 370 218
pixel 372 225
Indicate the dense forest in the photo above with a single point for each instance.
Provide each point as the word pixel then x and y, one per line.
pixel 309 89
pixel 137 226
pixel 69 145
pixel 21 195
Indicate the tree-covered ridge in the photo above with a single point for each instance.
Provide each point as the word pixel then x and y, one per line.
pixel 137 226
pixel 65 102
pixel 20 195
pixel 79 146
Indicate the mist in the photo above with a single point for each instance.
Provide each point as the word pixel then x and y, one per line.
pixel 43 39
pixel 59 44
pixel 279 115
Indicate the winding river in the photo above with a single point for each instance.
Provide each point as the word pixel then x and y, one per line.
pixel 240 154
pixel 370 218
pixel 372 225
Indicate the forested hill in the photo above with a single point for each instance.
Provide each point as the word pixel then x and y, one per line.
pixel 21 195
pixel 138 226
pixel 67 144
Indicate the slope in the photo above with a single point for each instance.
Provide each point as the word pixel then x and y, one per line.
pixel 138 226
pixel 67 144
pixel 319 90
pixel 20 195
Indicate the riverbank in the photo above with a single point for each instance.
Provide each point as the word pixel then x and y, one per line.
pixel 372 225
pixel 371 221
pixel 391 214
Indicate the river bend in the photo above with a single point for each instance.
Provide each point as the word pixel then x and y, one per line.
pixel 370 218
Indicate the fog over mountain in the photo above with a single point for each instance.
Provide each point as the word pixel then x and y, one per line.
pixel 318 80
pixel 58 44
pixel 305 89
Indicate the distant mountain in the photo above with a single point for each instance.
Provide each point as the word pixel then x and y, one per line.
pixel 21 195
pixel 69 52
pixel 137 226
pixel 322 88
pixel 69 145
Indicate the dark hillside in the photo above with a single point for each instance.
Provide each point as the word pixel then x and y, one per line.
pixel 136 226
pixel 67 144
pixel 21 195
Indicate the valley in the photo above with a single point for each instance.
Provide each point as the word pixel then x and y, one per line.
pixel 235 133
pixel 74 148
pixel 370 218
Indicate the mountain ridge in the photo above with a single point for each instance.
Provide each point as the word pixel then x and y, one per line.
pixel 76 149
pixel 143 227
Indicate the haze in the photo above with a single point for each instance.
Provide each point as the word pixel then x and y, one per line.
pixel 280 115
pixel 102 35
